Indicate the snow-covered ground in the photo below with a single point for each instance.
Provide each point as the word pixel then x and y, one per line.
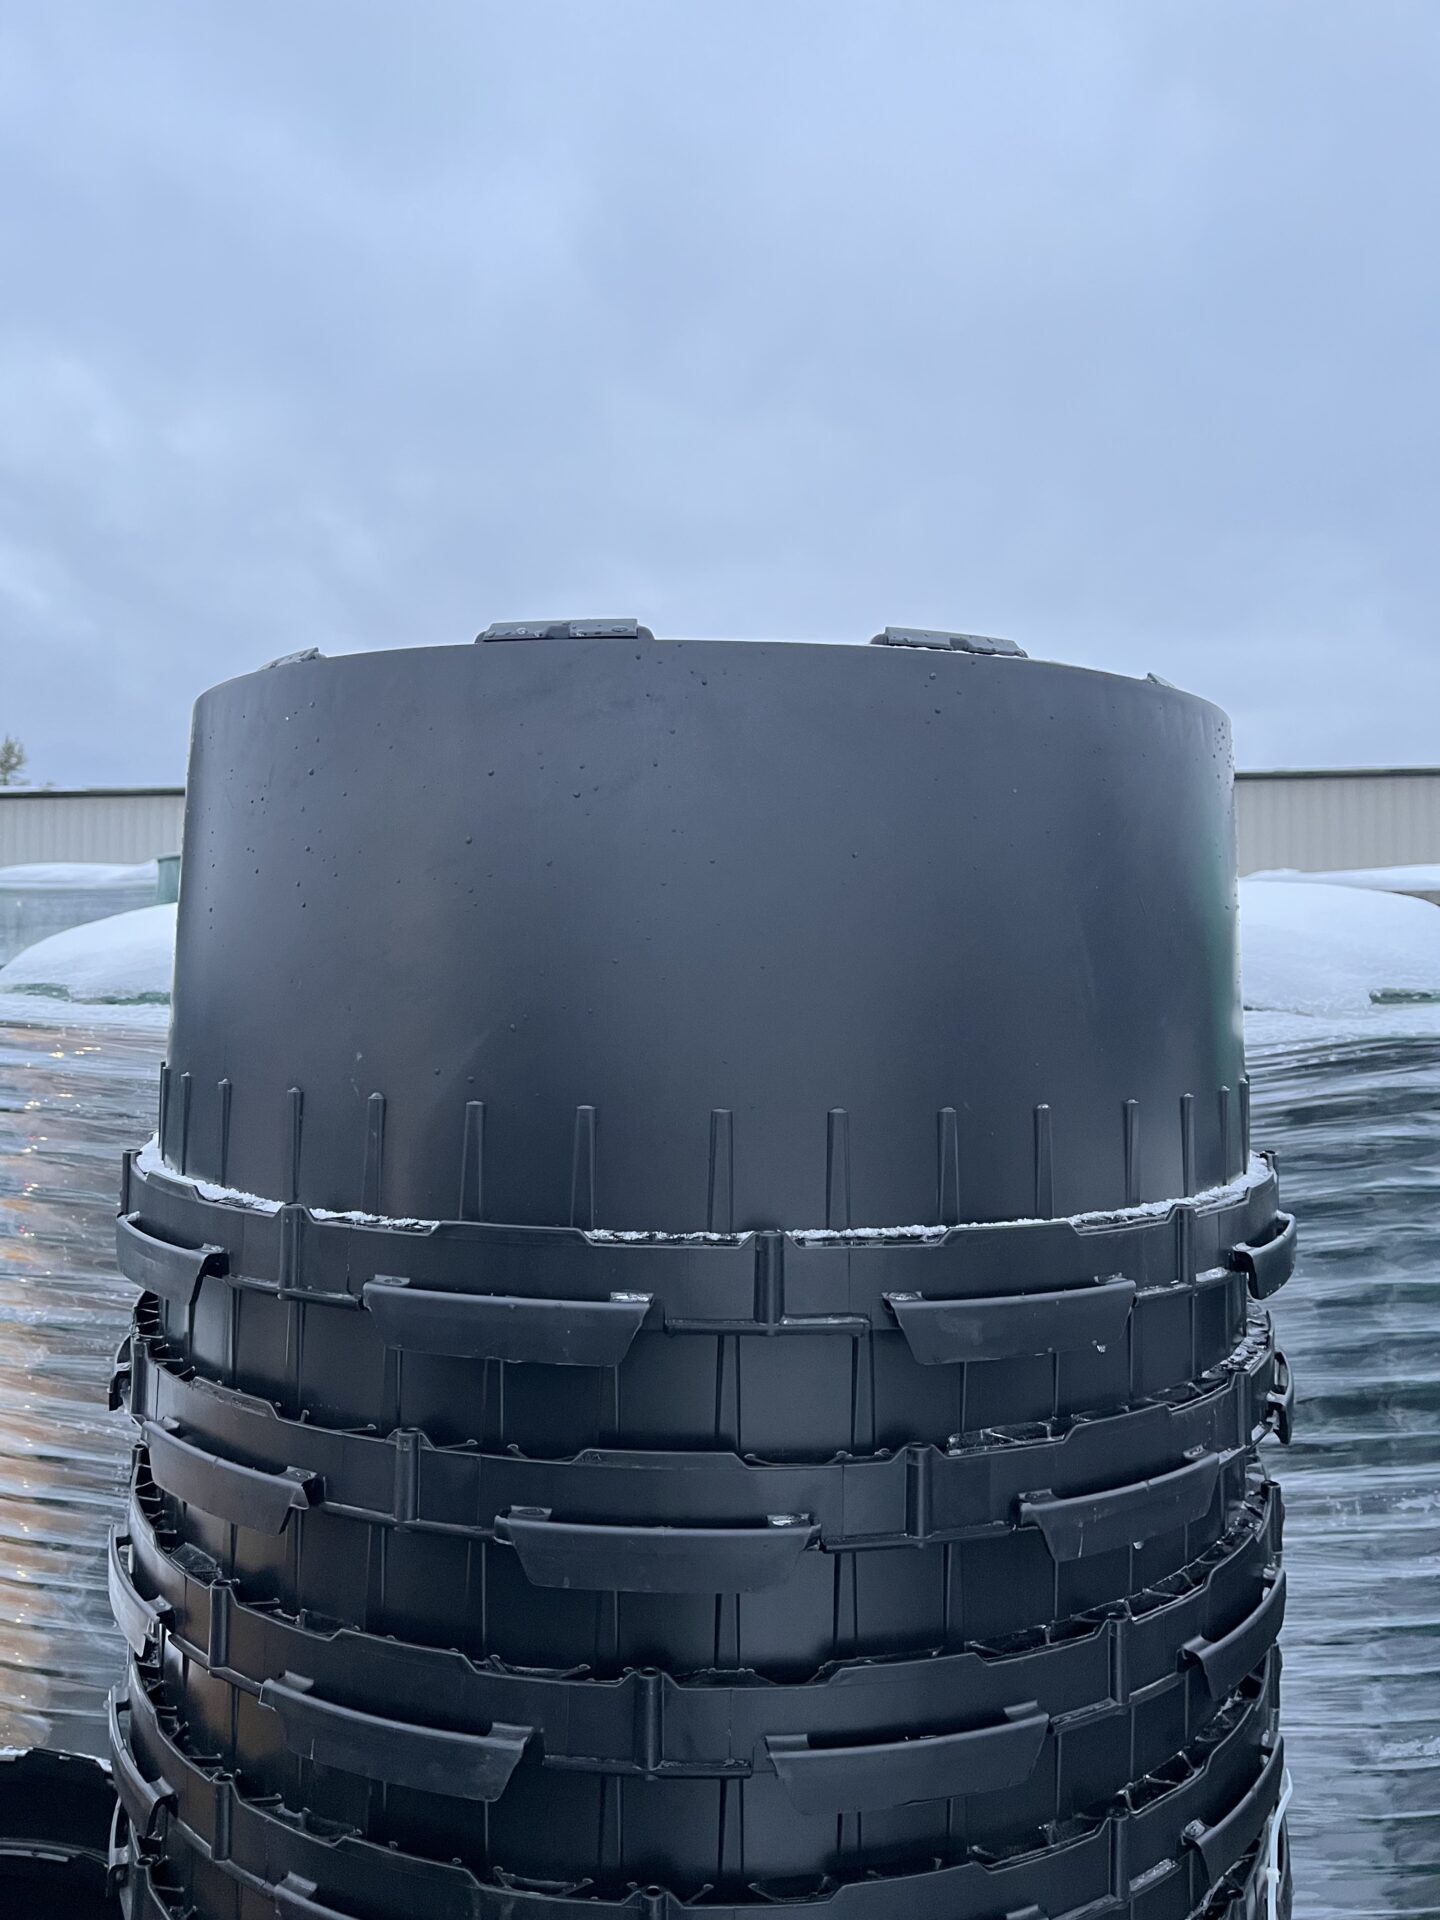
pixel 126 957
pixel 1311 947
pixel 1418 879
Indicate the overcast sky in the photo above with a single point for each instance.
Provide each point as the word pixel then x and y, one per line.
pixel 1108 327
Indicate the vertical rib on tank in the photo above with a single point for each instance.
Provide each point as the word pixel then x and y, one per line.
pixel 706 936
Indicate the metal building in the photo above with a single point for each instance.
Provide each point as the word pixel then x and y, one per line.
pixel 109 824
pixel 1326 820
pixel 1315 821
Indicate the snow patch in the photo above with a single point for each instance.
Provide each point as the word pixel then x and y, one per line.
pixel 1314 948
pixel 823 1236
pixel 126 957
pixel 150 1160
pixel 355 1218
pixel 638 1236
pixel 1229 1194
pixel 1417 879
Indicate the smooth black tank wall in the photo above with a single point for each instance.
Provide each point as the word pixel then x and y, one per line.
pixel 655 879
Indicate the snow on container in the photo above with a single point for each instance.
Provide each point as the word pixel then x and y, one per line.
pixel 702 1340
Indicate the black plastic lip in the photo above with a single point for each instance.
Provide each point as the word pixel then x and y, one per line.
pixel 810 1283
pixel 285 1465
pixel 715 1721
pixel 1167 1826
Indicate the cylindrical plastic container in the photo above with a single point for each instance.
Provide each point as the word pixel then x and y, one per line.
pixel 718 935
pixel 702 1341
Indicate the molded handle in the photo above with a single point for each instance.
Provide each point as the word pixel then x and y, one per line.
pixel 1229 1839
pixel 1226 1661
pixel 138 1619
pixel 618 1559
pixel 159 1266
pixel 470 1766
pixel 497 1326
pixel 141 1798
pixel 1086 1523
pixel 1009 1325
pixel 897 1773
pixel 1268 1264
pixel 1280 1401
pixel 246 1496
pixel 121 1378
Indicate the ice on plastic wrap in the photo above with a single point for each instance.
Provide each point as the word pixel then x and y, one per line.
pixel 1352 1105
pixel 44 898
pixel 77 1086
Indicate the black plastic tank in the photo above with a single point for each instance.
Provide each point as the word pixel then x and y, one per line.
pixel 714 931
pixel 702 1343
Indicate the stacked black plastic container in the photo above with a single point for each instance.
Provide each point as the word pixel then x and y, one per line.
pixel 701 1346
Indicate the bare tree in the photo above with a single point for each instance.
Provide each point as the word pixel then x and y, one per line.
pixel 12 761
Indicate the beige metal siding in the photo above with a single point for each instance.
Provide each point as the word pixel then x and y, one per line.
pixel 1314 822
pixel 103 826
pixel 1322 821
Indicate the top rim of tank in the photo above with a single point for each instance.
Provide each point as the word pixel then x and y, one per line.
pixel 313 656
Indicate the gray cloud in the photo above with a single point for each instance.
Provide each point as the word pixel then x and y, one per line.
pixel 1110 327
